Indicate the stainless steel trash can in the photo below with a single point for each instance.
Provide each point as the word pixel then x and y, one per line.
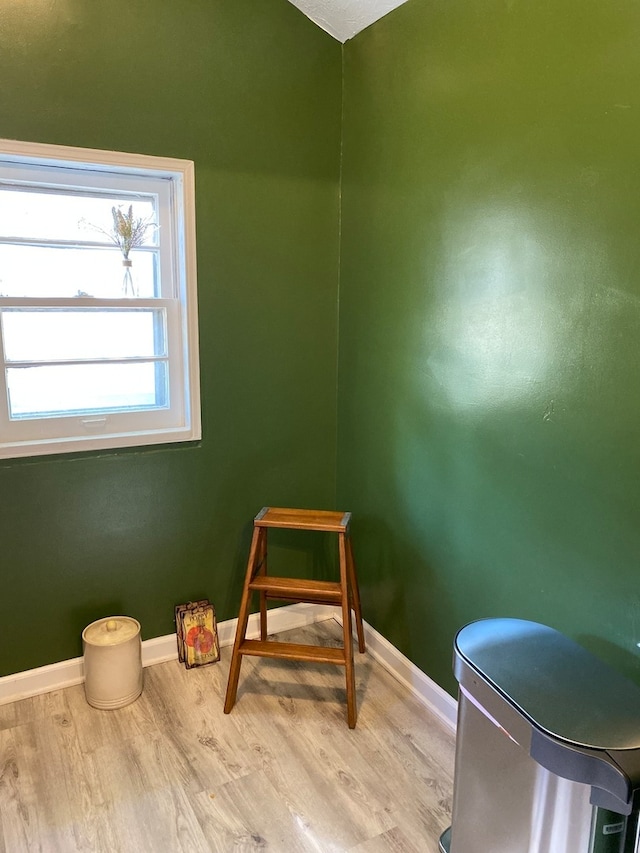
pixel 547 747
pixel 112 662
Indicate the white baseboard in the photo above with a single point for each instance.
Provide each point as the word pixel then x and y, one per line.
pixel 44 679
pixel 56 676
pixel 425 689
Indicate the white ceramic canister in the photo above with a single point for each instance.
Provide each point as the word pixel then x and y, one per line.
pixel 112 662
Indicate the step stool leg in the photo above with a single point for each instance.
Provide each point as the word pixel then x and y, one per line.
pixel 257 546
pixel 352 711
pixel 262 570
pixel 355 593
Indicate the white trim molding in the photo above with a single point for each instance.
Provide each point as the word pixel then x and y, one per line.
pixel 429 692
pixel 163 407
pixel 425 689
pixel 57 676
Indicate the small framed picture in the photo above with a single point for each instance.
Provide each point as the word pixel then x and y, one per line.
pixel 200 635
pixel 179 610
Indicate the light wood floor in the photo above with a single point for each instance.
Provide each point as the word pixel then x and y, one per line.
pixel 281 773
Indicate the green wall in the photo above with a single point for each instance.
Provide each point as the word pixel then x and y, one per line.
pixel 489 314
pixel 489 379
pixel 252 93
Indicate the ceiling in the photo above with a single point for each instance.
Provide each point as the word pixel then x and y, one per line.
pixel 343 19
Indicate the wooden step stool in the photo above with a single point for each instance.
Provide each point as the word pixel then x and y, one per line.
pixel 345 593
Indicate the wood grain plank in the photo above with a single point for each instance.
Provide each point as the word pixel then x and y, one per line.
pixel 187 711
pixel 150 804
pixel 230 820
pixel 34 814
pixel 392 841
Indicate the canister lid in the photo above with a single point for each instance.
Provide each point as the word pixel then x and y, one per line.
pixel 111 631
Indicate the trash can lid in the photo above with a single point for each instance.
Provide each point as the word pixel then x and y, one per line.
pixel 111 631
pixel 558 685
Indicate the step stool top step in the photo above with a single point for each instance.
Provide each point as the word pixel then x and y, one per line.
pixel 303 519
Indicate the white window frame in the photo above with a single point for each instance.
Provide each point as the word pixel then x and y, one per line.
pixel 180 420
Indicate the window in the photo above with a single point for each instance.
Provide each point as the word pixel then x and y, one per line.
pixel 98 314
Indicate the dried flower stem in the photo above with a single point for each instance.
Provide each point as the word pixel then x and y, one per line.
pixel 128 232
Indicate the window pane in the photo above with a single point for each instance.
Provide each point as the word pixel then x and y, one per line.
pixel 78 389
pixel 58 215
pixel 58 333
pixel 39 271
pixel 85 362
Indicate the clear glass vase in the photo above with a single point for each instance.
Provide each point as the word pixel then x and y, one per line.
pixel 127 282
